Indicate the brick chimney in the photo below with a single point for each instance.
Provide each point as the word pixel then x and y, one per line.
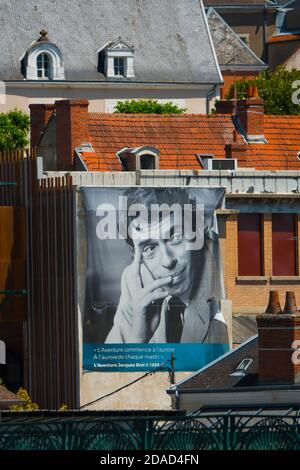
pixel 225 107
pixel 71 130
pixel 236 150
pixel 39 118
pixel 276 335
pixel 250 113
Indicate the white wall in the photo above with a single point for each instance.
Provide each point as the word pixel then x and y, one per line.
pixel 102 99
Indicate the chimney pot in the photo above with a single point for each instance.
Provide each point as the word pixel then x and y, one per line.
pixel 290 307
pixel 274 307
pixel 255 92
pixel 250 91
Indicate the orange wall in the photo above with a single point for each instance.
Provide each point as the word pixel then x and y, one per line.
pixel 13 254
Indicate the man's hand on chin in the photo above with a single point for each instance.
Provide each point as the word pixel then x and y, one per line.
pixel 147 299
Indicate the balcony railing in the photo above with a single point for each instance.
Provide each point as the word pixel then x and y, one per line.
pixel 264 428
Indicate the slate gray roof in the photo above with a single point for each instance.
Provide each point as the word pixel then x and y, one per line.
pixel 243 327
pixel 217 375
pixel 237 3
pixel 230 49
pixel 170 37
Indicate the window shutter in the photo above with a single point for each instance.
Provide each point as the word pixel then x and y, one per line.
pixel 249 245
pixel 284 244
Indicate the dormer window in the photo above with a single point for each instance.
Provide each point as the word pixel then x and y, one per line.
pixel 116 60
pixel 43 60
pixel 139 158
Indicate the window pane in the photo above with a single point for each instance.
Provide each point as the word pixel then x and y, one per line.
pixel 284 244
pixel 147 162
pixel 119 66
pixel 40 61
pixel 47 71
pixel 43 63
pixel 46 60
pixel 249 245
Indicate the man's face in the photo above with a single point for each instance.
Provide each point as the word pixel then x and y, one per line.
pixel 164 254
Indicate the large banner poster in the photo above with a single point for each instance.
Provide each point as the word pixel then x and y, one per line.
pixel 153 279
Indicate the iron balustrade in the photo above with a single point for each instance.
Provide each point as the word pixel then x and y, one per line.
pixel 264 428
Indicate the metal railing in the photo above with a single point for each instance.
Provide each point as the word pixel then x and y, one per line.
pixel 230 429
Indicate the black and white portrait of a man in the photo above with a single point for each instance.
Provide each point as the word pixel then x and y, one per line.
pixel 170 279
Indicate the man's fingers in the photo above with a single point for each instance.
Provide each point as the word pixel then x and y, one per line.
pixel 137 266
pixel 165 281
pixel 157 295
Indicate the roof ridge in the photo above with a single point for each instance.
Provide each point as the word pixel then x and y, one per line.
pixel 152 115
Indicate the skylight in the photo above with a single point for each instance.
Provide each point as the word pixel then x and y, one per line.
pixel 242 367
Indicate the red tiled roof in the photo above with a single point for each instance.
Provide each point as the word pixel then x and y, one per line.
pixel 7 397
pixel 280 153
pixel 180 137
pixel 284 38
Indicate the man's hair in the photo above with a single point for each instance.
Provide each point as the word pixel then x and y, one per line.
pixel 150 196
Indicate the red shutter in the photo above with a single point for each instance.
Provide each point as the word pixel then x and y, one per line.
pixel 284 244
pixel 249 245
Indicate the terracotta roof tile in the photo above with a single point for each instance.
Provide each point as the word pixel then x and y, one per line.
pixel 8 398
pixel 180 137
pixel 284 38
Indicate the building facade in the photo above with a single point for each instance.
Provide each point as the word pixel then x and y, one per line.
pixel 107 52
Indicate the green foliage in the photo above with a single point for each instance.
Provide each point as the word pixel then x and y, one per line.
pixel 275 88
pixel 63 407
pixel 28 405
pixel 147 107
pixel 14 128
pixel 241 89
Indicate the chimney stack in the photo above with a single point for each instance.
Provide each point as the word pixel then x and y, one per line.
pixel 225 106
pixel 236 150
pixel 276 336
pixel 71 130
pixel 250 113
pixel 39 118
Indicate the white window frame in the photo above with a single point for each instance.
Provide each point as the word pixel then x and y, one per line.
pixel 118 67
pixel 42 69
pixel 118 50
pixel 207 162
pixel 56 62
